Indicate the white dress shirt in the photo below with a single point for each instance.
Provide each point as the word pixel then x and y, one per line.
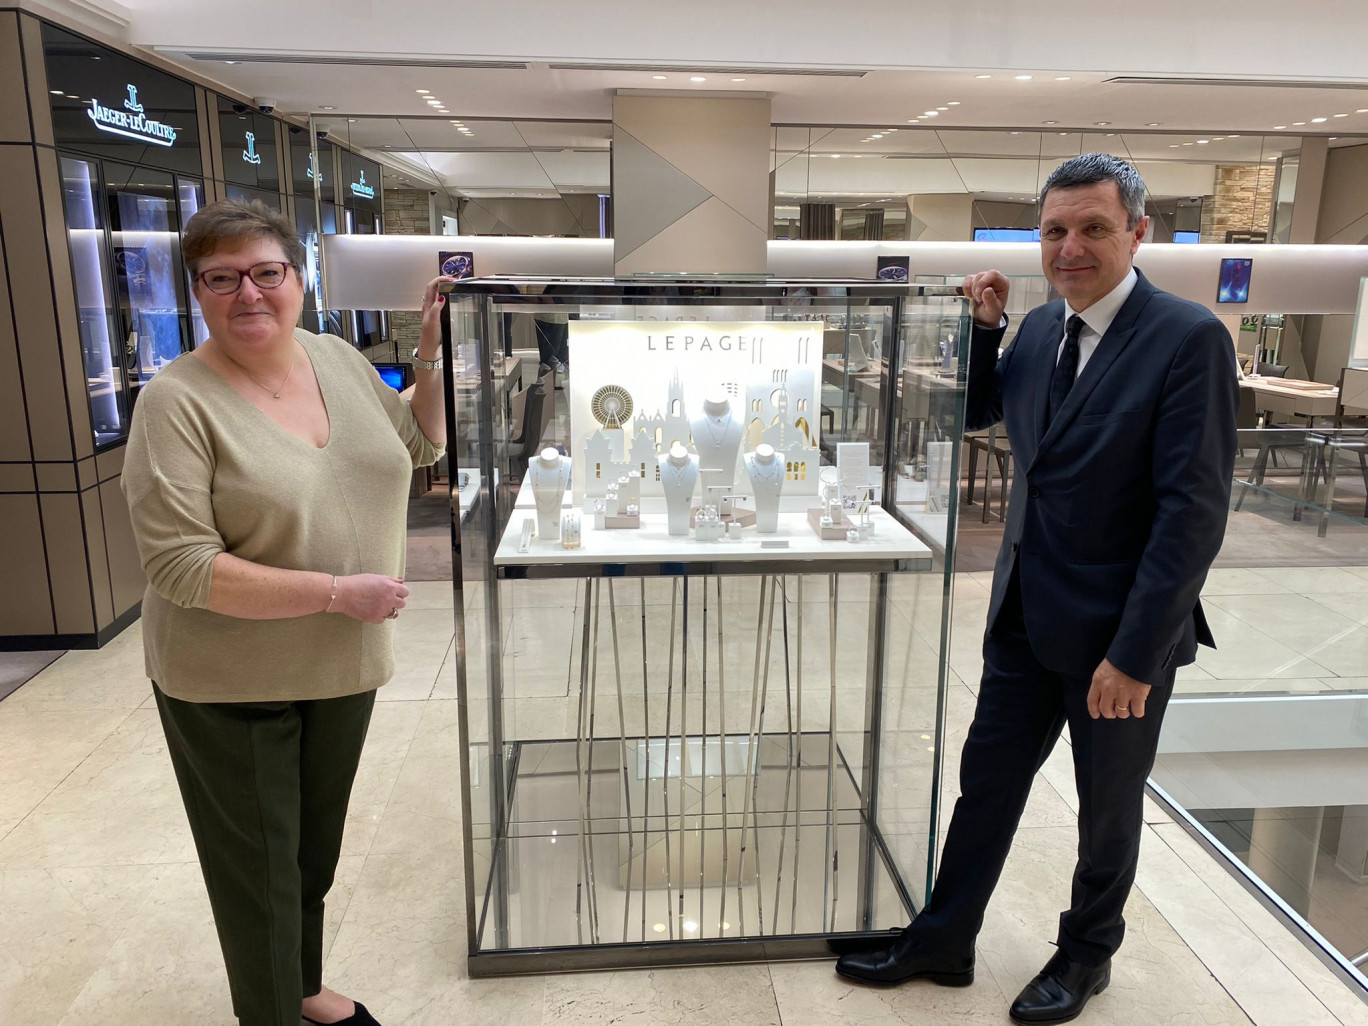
pixel 1096 320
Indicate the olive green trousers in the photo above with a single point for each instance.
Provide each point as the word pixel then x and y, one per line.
pixel 266 786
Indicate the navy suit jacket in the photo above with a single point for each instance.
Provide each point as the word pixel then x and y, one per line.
pixel 1119 507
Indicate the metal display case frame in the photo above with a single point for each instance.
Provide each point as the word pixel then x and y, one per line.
pixel 882 597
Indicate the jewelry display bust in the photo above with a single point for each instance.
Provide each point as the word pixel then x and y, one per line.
pixel 766 472
pixel 717 439
pixel 678 479
pixel 549 475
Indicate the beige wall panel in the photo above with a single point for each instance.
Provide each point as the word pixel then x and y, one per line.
pixel 87 473
pixel 722 144
pixel 1344 196
pixel 64 289
pixel 98 560
pixel 202 115
pixel 14 433
pixel 109 464
pixel 56 477
pixel 125 571
pixel 66 558
pixel 31 31
pixel 215 139
pixel 25 604
pixel 31 295
pixel 16 477
pixel 14 119
pixel 712 237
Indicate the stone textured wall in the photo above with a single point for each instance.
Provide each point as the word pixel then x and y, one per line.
pixel 406 213
pixel 1243 201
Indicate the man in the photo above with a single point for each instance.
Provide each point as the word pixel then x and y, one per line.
pixel 1120 403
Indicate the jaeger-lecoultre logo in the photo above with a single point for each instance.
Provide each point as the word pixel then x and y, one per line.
pixel 250 154
pixel 131 122
pixel 362 189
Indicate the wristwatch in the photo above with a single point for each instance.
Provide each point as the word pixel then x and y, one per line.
pixel 422 364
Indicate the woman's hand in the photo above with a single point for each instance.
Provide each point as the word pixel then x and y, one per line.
pixel 429 337
pixel 371 598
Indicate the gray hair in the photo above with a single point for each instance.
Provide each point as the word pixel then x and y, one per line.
pixel 1091 168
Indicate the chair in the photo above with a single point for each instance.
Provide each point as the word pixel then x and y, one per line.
pixel 995 447
pixel 1352 406
pixel 531 410
pixel 1268 441
pixel 1272 370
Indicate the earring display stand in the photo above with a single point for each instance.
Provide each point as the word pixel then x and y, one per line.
pixel 686 746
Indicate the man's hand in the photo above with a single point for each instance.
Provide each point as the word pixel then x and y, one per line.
pixel 987 292
pixel 1113 695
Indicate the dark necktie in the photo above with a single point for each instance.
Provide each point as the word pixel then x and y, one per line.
pixel 1066 369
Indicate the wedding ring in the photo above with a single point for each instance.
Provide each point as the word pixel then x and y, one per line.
pixel 394 614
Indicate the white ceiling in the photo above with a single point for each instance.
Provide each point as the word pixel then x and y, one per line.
pixel 872 64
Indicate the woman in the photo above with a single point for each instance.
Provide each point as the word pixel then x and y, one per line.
pixel 267 473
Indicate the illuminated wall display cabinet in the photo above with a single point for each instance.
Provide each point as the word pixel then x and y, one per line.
pixel 701 604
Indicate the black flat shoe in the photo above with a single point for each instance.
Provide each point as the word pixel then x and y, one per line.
pixel 907 959
pixel 1059 992
pixel 360 1017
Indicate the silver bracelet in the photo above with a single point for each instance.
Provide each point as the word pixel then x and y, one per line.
pixel 333 597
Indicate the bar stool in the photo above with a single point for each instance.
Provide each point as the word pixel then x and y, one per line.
pixel 996 447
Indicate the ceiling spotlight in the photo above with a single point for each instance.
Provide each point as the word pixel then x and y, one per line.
pixel 1298 124
pixel 1341 115
pixel 983 76
pixel 328 108
pixel 56 92
pixel 443 110
pixel 738 80
pixel 1101 124
pixel 887 130
pixel 914 121
pixel 876 136
pixel 1013 133
pixel 1173 146
pixel 1049 122
pixel 942 108
pixel 835 156
pixel 1362 110
pixel 931 114
pixel 697 78
pixel 660 78
pixel 1153 124
pixel 351 121
pixel 230 62
pixel 434 103
pixel 1232 137
pixel 1203 142
pixel 1278 128
pixel 1063 78
pixel 1022 78
pixel 953 103
pixel 423 92
pixel 1317 121
pixel 1187 144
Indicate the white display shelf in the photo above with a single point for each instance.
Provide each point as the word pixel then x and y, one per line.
pixel 652 543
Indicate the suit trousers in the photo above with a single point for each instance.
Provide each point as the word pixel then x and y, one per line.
pixel 1022 708
pixel 266 786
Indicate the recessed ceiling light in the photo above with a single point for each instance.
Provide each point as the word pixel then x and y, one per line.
pixel 351 121
pixel 1341 115
pixel 953 103
pixel 738 80
pixel 914 121
pixel 1173 146
pixel 1317 121
pixel 1362 110
pixel 835 156
pixel 1153 124
pixel 422 92
pixel 230 62
pixel 1063 133
pixel 697 78
pixel 1013 133
pixel 1187 144
pixel 1232 137
pixel 1298 124
pixel 1203 142
pixel 1063 78
pixel 983 76
pixel 1049 122
pixel 434 103
pixel 1278 128
pixel 56 92
pixel 931 114
pixel 1101 124
pixel 942 108
pixel 887 130
pixel 879 136
pixel 327 108
pixel 443 110
pixel 660 78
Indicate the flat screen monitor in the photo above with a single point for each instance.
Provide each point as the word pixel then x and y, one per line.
pixel 1006 234
pixel 396 375
pixel 1187 237
pixel 1234 285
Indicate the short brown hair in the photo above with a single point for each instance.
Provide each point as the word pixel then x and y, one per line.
pixel 230 223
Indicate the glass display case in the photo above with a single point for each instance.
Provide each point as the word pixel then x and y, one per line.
pixel 703 559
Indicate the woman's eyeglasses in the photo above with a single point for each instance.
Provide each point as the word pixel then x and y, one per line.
pixel 224 281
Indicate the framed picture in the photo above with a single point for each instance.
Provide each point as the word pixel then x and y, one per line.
pixel 456 264
pixel 1234 284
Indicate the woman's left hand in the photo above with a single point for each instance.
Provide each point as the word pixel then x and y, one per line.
pixel 432 310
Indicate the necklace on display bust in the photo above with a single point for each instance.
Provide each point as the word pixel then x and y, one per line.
pixel 717 427
pixel 769 472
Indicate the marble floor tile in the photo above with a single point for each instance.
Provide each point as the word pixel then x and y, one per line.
pixel 56 929
pixel 430 595
pixel 1246 652
pixel 811 994
pixel 1317 580
pixel 713 996
pixel 1239 581
pixel 381 761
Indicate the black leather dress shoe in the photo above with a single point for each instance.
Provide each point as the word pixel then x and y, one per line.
pixel 360 1017
pixel 907 959
pixel 1059 991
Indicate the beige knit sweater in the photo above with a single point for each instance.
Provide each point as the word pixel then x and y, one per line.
pixel 207 472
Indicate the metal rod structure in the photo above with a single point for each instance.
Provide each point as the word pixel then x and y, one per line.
pixel 683 739
pixel 722 755
pixel 622 753
pixel 646 743
pixel 665 770
pixel 788 768
pixel 798 791
pixel 589 773
pixel 703 774
pixel 755 763
pixel 833 852
pixel 581 868
pixel 750 745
